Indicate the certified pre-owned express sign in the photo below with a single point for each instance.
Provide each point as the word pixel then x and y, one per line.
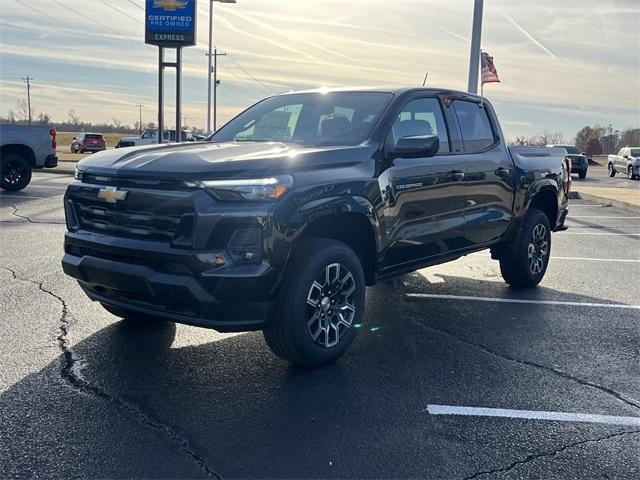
pixel 170 23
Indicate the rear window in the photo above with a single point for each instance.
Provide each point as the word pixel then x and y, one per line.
pixel 572 150
pixel 635 152
pixel 474 124
pixel 95 136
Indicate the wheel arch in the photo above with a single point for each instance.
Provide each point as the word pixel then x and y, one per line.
pixel 19 149
pixel 546 200
pixel 349 219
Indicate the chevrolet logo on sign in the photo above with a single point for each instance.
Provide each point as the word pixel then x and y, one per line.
pixel 170 5
pixel 112 194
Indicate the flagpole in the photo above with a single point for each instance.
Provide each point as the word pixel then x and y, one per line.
pixel 481 82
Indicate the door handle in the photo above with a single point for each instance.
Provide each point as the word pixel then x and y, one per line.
pixel 456 175
pixel 503 172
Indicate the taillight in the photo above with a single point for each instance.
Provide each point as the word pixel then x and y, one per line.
pixel 569 180
pixel 54 142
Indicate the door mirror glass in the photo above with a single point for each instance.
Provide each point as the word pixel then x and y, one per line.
pixel 416 146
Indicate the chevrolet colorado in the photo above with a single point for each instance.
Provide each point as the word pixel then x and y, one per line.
pixel 281 218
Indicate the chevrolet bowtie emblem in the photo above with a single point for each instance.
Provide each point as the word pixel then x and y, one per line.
pixel 111 194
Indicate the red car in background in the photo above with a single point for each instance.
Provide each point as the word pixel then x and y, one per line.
pixel 88 142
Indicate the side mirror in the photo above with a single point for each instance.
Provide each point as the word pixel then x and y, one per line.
pixel 627 157
pixel 74 138
pixel 416 146
pixel 583 153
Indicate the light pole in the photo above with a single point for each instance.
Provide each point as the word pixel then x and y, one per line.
pixel 210 55
pixel 474 55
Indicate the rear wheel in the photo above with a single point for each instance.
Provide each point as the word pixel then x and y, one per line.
pixel 612 171
pixel 583 175
pixel 15 172
pixel 630 174
pixel 319 305
pixel 525 261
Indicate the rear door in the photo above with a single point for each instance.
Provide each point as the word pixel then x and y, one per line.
pixel 423 197
pixel 490 173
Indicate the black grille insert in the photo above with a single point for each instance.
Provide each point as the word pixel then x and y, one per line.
pixel 148 216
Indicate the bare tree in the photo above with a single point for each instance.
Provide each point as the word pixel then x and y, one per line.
pixel 44 118
pixel 75 119
pixel 117 124
pixel 23 110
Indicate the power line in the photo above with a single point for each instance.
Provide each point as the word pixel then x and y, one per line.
pixel 87 17
pixel 243 80
pixel 42 13
pixel 249 74
pixel 123 13
pixel 135 4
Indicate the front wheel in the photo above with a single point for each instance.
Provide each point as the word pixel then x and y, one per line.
pixel 612 171
pixel 320 304
pixel 582 175
pixel 525 261
pixel 15 172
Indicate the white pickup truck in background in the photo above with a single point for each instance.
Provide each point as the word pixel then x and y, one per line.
pixel 150 137
pixel 627 161
pixel 22 149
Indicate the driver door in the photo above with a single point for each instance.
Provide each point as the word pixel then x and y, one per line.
pixel 423 197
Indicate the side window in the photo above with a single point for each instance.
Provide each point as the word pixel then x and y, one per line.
pixel 474 125
pixel 422 116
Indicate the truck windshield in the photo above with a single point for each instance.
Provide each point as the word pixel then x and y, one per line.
pixel 309 119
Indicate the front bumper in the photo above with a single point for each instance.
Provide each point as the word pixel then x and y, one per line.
pixel 184 287
pixel 173 254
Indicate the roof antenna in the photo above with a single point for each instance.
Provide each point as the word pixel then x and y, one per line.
pixel 424 82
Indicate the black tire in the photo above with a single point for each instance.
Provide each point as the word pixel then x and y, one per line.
pixel 525 261
pixel 612 171
pixel 290 329
pixel 131 316
pixel 582 175
pixel 15 172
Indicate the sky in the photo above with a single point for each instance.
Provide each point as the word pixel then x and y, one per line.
pixel 562 64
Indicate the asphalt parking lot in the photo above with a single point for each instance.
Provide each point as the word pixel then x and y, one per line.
pixel 453 374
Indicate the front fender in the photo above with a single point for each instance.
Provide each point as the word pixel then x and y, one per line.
pixel 292 226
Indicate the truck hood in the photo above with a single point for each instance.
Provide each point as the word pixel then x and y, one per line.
pixel 204 159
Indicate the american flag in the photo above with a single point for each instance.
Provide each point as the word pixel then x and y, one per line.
pixel 489 72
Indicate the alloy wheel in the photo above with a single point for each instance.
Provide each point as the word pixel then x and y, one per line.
pixel 330 305
pixel 14 172
pixel 538 249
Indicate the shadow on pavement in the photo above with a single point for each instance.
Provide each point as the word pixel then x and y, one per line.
pixel 249 414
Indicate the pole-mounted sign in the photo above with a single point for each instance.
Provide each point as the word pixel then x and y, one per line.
pixel 170 24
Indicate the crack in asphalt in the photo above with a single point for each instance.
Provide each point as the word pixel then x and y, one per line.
pixel 72 378
pixel 16 213
pixel 549 453
pixel 627 401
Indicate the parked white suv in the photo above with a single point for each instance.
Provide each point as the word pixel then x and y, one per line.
pixel 150 136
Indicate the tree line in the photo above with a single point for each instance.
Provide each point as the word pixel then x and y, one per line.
pixel 593 140
pixel 73 123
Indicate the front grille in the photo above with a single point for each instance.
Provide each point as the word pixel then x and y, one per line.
pixel 142 215
pixel 131 182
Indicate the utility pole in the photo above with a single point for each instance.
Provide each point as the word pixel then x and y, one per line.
pixel 474 55
pixel 211 69
pixel 28 79
pixel 139 105
pixel 424 82
pixel 216 82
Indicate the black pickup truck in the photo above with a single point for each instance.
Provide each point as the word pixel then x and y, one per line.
pixel 280 219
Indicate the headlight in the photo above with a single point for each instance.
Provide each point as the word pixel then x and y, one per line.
pixel 253 189
pixel 77 174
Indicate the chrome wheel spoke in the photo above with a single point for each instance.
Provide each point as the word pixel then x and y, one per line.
pixel 315 295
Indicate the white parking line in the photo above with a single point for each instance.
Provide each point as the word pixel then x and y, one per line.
pixel 533 415
pixel 597 216
pixel 520 300
pixel 601 233
pixel 582 259
pixel 620 260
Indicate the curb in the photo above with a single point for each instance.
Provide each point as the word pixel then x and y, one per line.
pixel 606 201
